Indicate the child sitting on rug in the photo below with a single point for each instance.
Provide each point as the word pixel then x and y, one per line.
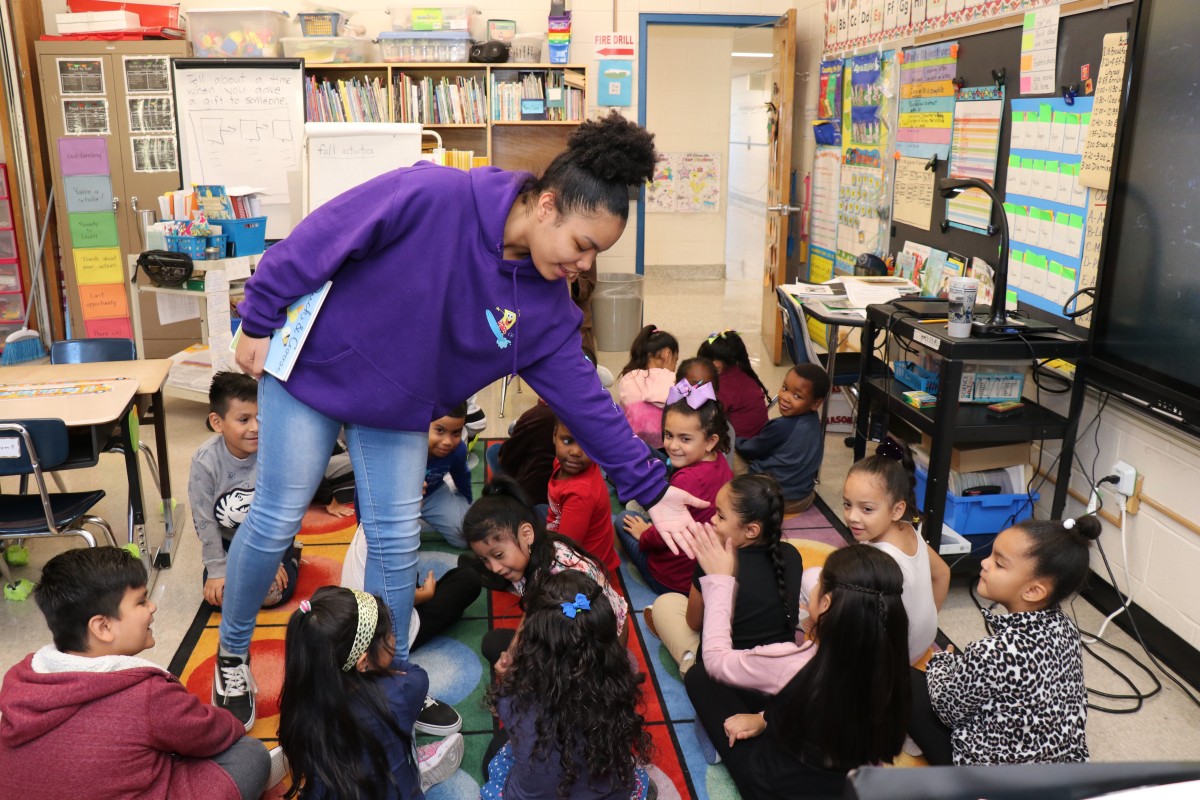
pixel 580 508
pixel 695 434
pixel 443 508
pixel 880 510
pixel 835 704
pixel 790 447
pixel 742 392
pixel 346 714
pixel 644 382
pixel 1017 696
pixel 85 717
pixel 568 696
pixel 221 485
pixel 511 542
pixel 750 516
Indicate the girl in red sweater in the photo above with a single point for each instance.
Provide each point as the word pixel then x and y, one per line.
pixel 695 435
pixel 741 391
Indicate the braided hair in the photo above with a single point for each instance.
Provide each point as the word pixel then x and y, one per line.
pixel 728 348
pixel 758 498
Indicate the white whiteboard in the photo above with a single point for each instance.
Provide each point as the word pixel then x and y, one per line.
pixel 341 155
pixel 241 122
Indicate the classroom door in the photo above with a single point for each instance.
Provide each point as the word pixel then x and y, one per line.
pixel 781 206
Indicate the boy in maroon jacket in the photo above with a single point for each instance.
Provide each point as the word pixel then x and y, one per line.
pixel 85 717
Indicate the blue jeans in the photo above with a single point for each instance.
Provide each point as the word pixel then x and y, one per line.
pixel 636 556
pixel 294 446
pixel 443 510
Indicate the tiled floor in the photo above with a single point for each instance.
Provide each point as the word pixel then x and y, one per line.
pixel 1167 728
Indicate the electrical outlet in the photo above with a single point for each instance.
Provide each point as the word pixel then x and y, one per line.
pixel 1128 478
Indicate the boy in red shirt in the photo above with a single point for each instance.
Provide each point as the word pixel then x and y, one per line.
pixel 580 508
pixel 85 717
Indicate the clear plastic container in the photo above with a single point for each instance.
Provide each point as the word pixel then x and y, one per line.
pixel 327 49
pixel 527 48
pixel 236 33
pixel 10 276
pixel 425 46
pixel 12 308
pixel 438 18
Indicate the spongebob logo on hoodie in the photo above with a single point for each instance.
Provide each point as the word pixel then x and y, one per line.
pixel 501 327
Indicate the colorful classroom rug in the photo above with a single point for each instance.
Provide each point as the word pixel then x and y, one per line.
pixel 458 673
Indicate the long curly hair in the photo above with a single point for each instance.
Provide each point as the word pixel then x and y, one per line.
pixel 573 676
pixel 324 740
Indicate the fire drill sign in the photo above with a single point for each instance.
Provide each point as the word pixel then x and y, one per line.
pixel 615 52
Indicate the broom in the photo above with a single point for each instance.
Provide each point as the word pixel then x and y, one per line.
pixel 26 345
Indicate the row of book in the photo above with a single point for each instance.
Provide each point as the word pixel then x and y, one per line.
pixel 353 100
pixel 450 101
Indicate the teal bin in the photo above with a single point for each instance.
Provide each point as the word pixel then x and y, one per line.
pixel 247 237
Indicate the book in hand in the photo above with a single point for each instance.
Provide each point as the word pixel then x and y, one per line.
pixel 286 342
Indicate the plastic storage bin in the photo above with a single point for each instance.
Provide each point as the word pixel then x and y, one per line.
pixel 320 23
pixel 10 276
pixel 425 46
pixel 989 382
pixel 247 237
pixel 8 244
pixel 987 513
pixel 232 32
pixel 438 18
pixel 617 309
pixel 7 330
pixel 328 49
pixel 12 308
pixel 151 15
pixel 192 245
pixel 527 48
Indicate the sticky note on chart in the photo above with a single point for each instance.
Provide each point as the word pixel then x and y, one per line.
pixel 93 229
pixel 117 328
pixel 106 300
pixel 88 192
pixel 97 265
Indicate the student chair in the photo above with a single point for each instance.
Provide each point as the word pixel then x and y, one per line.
pixel 30 447
pixel 799 346
pixel 87 351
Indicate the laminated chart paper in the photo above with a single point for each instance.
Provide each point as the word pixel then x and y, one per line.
pixel 870 89
pixel 927 100
pixel 974 144
pixel 1039 51
pixel 912 200
pixel 826 170
pixel 1048 209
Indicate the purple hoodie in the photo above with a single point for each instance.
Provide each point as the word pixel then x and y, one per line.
pixel 424 311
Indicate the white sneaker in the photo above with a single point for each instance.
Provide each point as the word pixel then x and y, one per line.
pixel 279 767
pixel 438 761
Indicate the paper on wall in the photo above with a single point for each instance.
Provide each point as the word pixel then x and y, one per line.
pixel 912 201
pixel 1096 166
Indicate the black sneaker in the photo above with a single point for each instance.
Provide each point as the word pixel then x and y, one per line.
pixel 438 718
pixel 233 688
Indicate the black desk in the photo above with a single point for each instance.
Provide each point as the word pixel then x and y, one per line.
pixel 949 421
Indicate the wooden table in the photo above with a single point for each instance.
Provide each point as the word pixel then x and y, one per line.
pixel 98 414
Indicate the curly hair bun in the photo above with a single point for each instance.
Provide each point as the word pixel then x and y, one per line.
pixel 1088 526
pixel 614 149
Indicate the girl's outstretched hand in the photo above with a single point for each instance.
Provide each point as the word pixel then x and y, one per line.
pixel 744 726
pixel 670 517
pixel 716 556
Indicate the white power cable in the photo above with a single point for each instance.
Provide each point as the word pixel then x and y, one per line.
pixel 1127 599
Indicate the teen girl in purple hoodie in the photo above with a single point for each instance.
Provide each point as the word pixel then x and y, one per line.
pixel 444 281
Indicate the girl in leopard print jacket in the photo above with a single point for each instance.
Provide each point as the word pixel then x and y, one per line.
pixel 1017 696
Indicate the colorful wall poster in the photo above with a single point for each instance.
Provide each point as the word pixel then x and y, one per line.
pixel 862 195
pixel 927 100
pixel 1039 51
pixel 1047 207
pixel 686 183
pixel 974 145
pixel 615 87
pixel 826 183
pixel 829 100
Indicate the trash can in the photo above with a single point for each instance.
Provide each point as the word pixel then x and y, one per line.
pixel 617 309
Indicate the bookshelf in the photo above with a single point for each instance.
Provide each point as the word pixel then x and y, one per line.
pixel 462 102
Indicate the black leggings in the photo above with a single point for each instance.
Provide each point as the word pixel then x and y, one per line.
pixel 752 762
pixel 926 728
pixel 456 590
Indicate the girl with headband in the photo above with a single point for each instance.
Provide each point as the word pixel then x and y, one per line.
pixel 347 711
